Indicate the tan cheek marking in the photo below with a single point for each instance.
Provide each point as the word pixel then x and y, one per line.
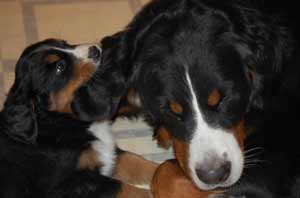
pixel 170 181
pixel 240 132
pixel 176 107
pixel 181 149
pixel 52 58
pixel 131 105
pixel 134 169
pixel 163 137
pixel 89 159
pixel 133 98
pixel 61 101
pixel 214 98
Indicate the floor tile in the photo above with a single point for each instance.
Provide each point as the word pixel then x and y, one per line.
pixel 12 33
pixel 124 123
pixel 143 145
pixel 8 80
pixel 82 22
pixel 1 66
pixel 144 2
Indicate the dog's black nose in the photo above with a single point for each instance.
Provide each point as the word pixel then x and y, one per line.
pixel 214 172
pixel 94 53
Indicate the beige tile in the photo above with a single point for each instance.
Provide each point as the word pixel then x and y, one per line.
pixel 125 124
pixel 12 36
pixel 1 66
pixel 2 98
pixel 144 2
pixel 8 80
pixel 82 22
pixel 142 145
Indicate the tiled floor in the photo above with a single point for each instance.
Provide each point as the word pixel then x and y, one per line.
pixel 24 22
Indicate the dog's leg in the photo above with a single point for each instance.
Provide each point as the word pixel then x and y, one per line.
pixel 134 169
pixel 169 181
pixel 91 184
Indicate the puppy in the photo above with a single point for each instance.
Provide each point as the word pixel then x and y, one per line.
pixel 55 138
pixel 219 81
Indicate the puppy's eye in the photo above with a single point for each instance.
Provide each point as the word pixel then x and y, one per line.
pixel 175 116
pixel 60 66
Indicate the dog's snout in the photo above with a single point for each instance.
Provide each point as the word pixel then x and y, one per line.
pixel 94 53
pixel 214 171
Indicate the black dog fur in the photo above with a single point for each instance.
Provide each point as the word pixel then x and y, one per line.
pixel 248 49
pixel 41 147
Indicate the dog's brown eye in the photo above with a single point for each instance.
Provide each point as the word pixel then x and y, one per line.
pixel 60 66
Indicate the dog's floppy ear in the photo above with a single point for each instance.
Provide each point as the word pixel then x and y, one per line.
pixel 263 58
pixel 254 76
pixel 19 112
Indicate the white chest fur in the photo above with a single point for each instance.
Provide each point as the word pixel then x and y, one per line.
pixel 104 145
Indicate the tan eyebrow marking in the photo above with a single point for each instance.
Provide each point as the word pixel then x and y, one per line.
pixel 214 98
pixel 176 107
pixel 52 58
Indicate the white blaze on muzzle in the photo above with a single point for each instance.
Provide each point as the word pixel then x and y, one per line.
pixel 215 157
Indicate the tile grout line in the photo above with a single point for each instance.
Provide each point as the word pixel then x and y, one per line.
pixel 29 22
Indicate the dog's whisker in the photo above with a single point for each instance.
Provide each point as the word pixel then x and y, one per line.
pixel 253 149
pixel 255 160
pixel 251 156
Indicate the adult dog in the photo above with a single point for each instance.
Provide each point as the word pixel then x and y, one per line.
pixel 49 144
pixel 207 74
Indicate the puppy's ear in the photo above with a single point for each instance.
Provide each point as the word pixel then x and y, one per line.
pixel 19 112
pixel 253 74
pixel 20 122
pixel 90 105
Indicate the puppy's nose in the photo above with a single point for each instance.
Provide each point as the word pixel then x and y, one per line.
pixel 94 53
pixel 214 172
